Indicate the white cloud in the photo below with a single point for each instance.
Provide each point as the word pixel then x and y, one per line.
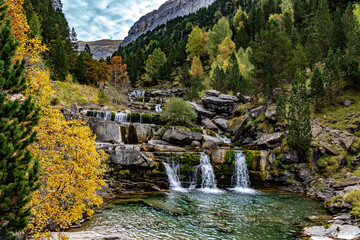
pixel 112 19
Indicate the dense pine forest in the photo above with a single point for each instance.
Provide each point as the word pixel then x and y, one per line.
pixel 287 70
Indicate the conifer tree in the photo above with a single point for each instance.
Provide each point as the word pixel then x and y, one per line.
pixel 235 81
pixel 281 109
pixel 317 89
pixel 338 32
pixel 299 136
pixel 322 27
pixel 332 75
pixel 18 172
pixel 195 87
pixel 218 80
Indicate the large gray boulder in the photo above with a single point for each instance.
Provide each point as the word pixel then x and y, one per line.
pixel 218 141
pixel 329 149
pixel 106 131
pixel 130 155
pixel 143 131
pixel 269 140
pixel 212 93
pixel 181 137
pixel 220 104
pixel 243 98
pixel 202 112
pixel 209 124
pixel 256 112
pixel 221 123
pixel 238 130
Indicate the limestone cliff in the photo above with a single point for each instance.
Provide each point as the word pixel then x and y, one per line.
pixel 101 48
pixel 167 11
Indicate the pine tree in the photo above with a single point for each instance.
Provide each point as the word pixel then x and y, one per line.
pixel 184 75
pixel 317 89
pixel 299 136
pixel 322 27
pixel 298 61
pixel 87 49
pixel 195 87
pixel 281 109
pixel 332 75
pixel 18 172
pixel 218 80
pixel 338 36
pixel 311 50
pixel 235 81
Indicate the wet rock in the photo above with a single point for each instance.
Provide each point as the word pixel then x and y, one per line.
pixel 218 155
pixel 210 145
pixel 181 137
pixel 209 124
pixel 221 123
pixel 256 112
pixel 269 140
pixel 244 99
pixel 328 148
pixel 218 141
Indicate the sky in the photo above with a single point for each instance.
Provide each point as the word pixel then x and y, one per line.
pixel 105 19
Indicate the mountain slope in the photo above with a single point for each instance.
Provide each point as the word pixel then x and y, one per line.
pixel 101 48
pixel 167 11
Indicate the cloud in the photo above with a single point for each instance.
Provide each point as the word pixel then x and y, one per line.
pixel 105 19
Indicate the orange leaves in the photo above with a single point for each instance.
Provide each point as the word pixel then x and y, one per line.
pixel 118 72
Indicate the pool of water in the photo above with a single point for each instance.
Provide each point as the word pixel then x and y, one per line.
pixel 199 215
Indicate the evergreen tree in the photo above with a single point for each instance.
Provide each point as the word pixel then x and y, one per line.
pixel 195 87
pixel 281 109
pixel 184 75
pixel 298 61
pixel 311 50
pixel 18 172
pixel 322 28
pixel 59 60
pixel 299 136
pixel 338 37
pixel 317 89
pixel 332 75
pixel 235 81
pixel 218 80
pixel 74 40
pixel 87 49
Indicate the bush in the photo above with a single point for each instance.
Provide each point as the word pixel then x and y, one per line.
pixel 178 111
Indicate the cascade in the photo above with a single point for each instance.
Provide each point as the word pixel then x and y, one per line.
pixel 241 175
pixel 107 116
pixel 224 138
pixel 121 117
pixel 208 181
pixel 172 170
pixel 158 108
pixel 194 178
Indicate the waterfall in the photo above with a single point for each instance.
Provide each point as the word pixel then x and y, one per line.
pixel 194 178
pixel 107 116
pixel 241 175
pixel 224 138
pixel 172 170
pixel 121 117
pixel 208 181
pixel 158 108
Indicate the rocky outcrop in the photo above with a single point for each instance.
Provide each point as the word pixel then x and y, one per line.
pixel 219 104
pixel 181 137
pixel 102 48
pixel 167 11
pixel 172 92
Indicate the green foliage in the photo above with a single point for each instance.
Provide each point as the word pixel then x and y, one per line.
pixel 219 32
pixel 184 75
pixel 195 88
pixel 281 109
pixel 298 61
pixel 218 80
pixel 332 75
pixel 322 28
pixel 195 43
pixel 299 136
pixel 177 110
pixel 235 81
pixel 317 89
pixel 18 171
pixel 270 55
pixel 153 63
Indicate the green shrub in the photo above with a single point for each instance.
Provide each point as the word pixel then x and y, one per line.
pixel 178 111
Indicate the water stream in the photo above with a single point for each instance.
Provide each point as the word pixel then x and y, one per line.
pixel 172 170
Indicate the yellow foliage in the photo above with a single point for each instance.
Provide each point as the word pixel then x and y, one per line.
pixel 196 68
pixel 70 167
pixel 357 13
pixel 226 48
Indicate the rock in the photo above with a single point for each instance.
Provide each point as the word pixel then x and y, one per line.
pixel 160 133
pixel 256 112
pixel 95 106
pixel 347 182
pixel 156 93
pixel 356 161
pixel 240 128
pixel 130 155
pixel 248 141
pixel 74 108
pixel 346 142
pixel 347 103
pixel 315 131
pixel 143 131
pixel 290 157
pixel 221 104
pixel 106 131
pixel 104 146
pixel 151 147
pixel 210 145
pixel 244 99
pixel 218 141
pixel 202 112
pixel 158 142
pixel 328 148
pixel 269 140
pixel 212 93
pixel 181 137
pixel 218 155
pixel 221 123
pixel 271 114
pixel 209 124
pixel 196 144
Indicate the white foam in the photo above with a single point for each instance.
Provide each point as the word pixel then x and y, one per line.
pixel 212 190
pixel 244 190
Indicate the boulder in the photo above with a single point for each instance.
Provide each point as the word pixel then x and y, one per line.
pixel 130 155
pixel 290 157
pixel 346 142
pixel 159 133
pixel 248 141
pixel 209 124
pixel 347 182
pixel 269 140
pixel 143 131
pixel 202 112
pixel 196 144
pixel 271 114
pixel 243 98
pixel 315 131
pixel 212 93
pixel 328 148
pixel 221 123
pixel 106 131
pixel 218 155
pixel 256 112
pixel 151 147
pixel 210 145
pixel 337 231
pixel 221 104
pixel 240 128
pixel 181 137
pixel 218 141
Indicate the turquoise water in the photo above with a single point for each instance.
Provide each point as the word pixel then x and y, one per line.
pixel 197 215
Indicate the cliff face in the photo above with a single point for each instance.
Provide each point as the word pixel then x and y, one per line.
pixel 167 11
pixel 101 48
